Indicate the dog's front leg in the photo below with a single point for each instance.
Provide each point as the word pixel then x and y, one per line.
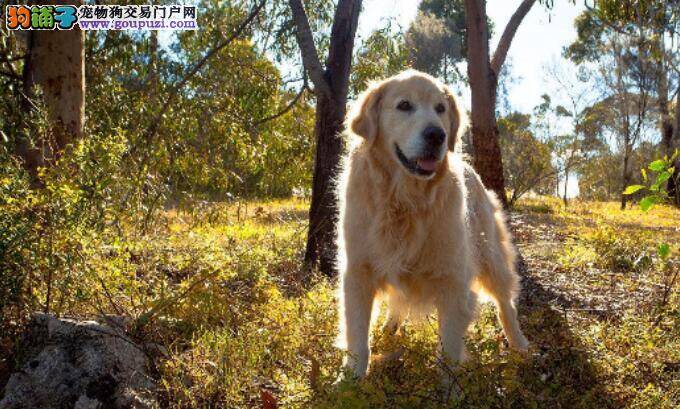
pixel 455 310
pixel 358 293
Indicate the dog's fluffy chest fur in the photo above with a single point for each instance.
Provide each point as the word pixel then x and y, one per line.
pixel 403 215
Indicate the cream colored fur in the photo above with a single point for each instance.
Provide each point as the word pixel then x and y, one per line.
pixel 423 241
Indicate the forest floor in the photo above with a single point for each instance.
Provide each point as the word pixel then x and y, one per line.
pixel 597 304
pixel 244 326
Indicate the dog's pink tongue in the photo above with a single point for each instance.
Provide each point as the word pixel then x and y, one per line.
pixel 427 164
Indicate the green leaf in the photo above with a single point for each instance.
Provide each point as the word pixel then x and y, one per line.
pixel 658 165
pixel 647 202
pixel 664 250
pixel 632 189
pixel 663 176
pixel 644 174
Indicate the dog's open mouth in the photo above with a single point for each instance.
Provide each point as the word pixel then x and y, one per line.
pixel 424 166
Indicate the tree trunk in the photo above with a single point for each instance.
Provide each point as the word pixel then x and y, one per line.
pixel 626 175
pixel 673 186
pixel 624 114
pixel 321 248
pixel 566 183
pixel 483 81
pixel 666 119
pixel 152 76
pixel 331 86
pixel 56 64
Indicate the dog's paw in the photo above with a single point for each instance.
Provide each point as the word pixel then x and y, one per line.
pixel 520 344
pixel 346 375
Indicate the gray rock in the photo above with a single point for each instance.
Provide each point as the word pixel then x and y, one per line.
pixel 82 365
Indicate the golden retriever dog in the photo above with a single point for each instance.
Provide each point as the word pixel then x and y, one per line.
pixel 416 224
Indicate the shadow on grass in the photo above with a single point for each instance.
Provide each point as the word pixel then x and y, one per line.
pixel 557 373
pixel 279 216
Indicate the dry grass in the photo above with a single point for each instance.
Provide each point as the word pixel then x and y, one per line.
pixel 242 324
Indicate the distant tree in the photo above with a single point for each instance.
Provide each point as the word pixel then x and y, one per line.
pixel 434 42
pixel 565 126
pixel 331 86
pixel 528 163
pixel 646 37
pixel 674 185
pixel 600 178
pixel 381 55
pixel 233 120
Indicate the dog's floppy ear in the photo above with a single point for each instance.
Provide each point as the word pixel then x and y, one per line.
pixel 363 117
pixel 457 118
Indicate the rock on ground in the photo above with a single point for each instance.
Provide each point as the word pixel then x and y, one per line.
pixel 82 365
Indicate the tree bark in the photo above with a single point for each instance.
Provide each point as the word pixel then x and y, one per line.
pixel 626 174
pixel 55 63
pixel 483 75
pixel 331 86
pixel 483 81
pixel 668 128
pixel 666 119
pixel 566 184
pixel 673 186
pixel 321 249
pixel 508 34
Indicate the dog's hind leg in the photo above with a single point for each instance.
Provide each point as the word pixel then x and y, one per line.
pixel 499 279
pixel 507 312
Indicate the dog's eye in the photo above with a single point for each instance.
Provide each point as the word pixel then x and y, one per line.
pixel 440 108
pixel 404 105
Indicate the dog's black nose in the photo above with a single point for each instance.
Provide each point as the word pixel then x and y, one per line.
pixel 434 135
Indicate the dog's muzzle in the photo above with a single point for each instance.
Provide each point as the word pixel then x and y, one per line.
pixel 423 166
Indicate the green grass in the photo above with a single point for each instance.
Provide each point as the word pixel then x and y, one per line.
pixel 221 289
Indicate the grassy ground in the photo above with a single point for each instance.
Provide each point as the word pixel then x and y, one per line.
pixel 243 326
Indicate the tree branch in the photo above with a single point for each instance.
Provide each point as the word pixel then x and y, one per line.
pixel 151 131
pixel 305 40
pixel 508 34
pixel 10 75
pixel 10 66
pixel 15 58
pixel 283 111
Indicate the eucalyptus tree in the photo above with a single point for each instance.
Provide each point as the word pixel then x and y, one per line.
pixel 54 62
pixel 331 86
pixel 641 39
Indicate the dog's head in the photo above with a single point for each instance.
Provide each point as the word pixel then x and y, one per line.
pixel 412 116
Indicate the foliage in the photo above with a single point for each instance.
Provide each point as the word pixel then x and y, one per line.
pixel 527 162
pixel 381 55
pixel 221 290
pixel 436 40
pixel 663 170
pixel 46 234
pixel 635 45
pixel 571 149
